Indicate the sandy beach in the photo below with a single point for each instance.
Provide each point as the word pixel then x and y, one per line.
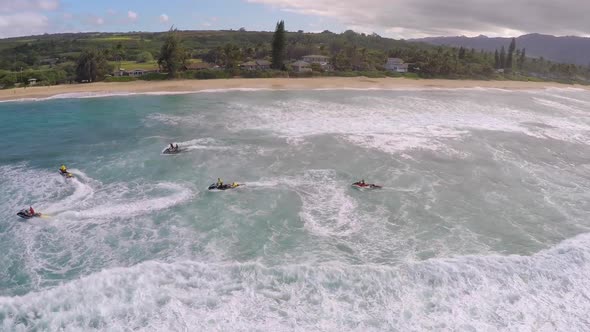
pixel 271 83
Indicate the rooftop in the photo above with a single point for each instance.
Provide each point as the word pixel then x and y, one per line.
pixel 300 63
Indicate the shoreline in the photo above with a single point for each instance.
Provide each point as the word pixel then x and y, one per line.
pixel 193 86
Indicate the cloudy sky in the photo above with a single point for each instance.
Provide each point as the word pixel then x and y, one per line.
pixel 392 18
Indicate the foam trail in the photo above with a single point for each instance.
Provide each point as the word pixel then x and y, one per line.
pixel 199 144
pixel 134 207
pixel 83 191
pixel 264 184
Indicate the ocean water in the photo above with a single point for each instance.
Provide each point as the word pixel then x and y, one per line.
pixel 482 225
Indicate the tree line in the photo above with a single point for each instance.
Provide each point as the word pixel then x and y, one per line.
pixel 92 57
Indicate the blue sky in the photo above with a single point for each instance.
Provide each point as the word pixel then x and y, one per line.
pixel 185 14
pixel 49 16
pixel 391 18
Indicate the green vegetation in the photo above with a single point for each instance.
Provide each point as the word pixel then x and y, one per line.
pixel 92 66
pixel 120 79
pixel 172 54
pixel 154 77
pixel 144 57
pixel 278 47
pixel 54 59
pixel 132 65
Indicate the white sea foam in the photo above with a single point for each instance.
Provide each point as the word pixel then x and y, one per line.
pixel 106 94
pixel 125 208
pixel 398 123
pixel 85 197
pixel 77 237
pixel 327 209
pixel 546 291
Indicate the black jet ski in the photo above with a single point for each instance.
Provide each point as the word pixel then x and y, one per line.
pixel 26 214
pixel 172 150
pixel 362 185
pixel 66 174
pixel 223 186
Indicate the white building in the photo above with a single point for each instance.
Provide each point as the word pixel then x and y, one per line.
pixel 137 72
pixel 396 65
pixel 316 59
pixel 322 60
pixel 301 66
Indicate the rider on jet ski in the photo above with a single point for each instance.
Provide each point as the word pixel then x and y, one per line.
pixel 360 183
pixel 63 169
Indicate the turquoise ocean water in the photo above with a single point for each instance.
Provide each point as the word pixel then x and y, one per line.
pixel 482 224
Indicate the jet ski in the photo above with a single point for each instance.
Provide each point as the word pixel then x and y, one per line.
pixel 26 214
pixel 66 174
pixel 363 185
pixel 214 186
pixel 172 150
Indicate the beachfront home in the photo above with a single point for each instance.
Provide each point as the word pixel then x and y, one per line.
pixel 322 60
pixel 262 64
pixel 133 73
pixel 250 65
pixel 301 66
pixel 32 81
pixel 396 65
pixel 316 59
pixel 136 73
pixel 256 65
pixel 120 72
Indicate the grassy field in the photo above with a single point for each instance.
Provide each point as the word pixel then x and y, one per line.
pixel 131 65
pixel 116 38
pixel 152 65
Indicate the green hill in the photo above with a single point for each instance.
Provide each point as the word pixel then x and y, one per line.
pixel 51 58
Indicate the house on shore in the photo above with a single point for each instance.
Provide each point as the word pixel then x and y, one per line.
pixel 396 65
pixel 250 65
pixel 136 73
pixel 322 60
pixel 263 64
pixel 301 66
pixel 255 65
pixel 316 59
pixel 133 73
pixel 32 81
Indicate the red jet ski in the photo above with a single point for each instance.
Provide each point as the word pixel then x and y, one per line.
pixel 363 185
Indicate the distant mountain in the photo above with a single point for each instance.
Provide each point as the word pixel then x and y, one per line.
pixel 559 49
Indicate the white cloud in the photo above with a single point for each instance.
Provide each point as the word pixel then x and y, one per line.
pixel 414 18
pixel 67 16
pixel 206 24
pixel 164 18
pixel 132 15
pixel 21 24
pixel 99 21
